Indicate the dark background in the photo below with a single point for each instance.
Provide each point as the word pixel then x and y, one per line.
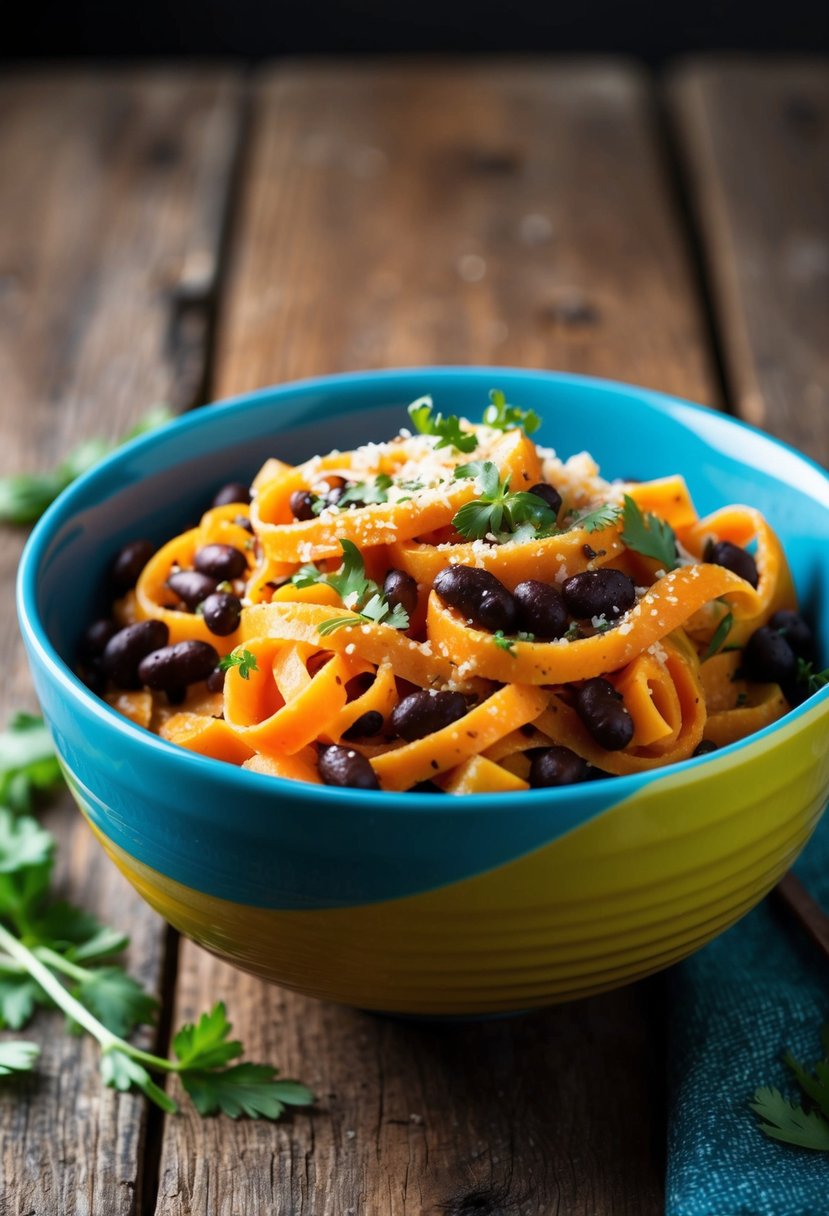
pixel 253 29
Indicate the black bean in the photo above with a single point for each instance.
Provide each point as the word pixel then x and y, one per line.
pixel 557 766
pixel 366 726
pixel 175 696
pixel 550 495
pixel 704 747
pixel 125 650
pixel 129 563
pixel 540 609
pixel 795 630
pixel 422 713
pixel 216 680
pixel 93 642
pixel 221 562
pixel 302 503
pixel 604 592
pixel 735 559
pixel 233 491
pixel 769 657
pixel 603 712
pixel 344 766
pixel 478 595
pixel 176 666
pixel 222 613
pixel 191 586
pixel 400 588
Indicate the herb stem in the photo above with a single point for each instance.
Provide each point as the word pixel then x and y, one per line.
pixel 59 963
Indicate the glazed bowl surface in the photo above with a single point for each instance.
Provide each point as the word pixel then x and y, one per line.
pixel 416 903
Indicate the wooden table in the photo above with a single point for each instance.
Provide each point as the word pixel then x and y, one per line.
pixel 185 234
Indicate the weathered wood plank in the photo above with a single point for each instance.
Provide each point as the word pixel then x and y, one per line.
pixel 756 138
pixel 112 196
pixel 404 214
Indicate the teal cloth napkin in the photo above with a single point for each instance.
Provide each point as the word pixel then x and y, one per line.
pixel 735 1008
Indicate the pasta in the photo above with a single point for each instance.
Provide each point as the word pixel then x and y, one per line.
pixel 456 610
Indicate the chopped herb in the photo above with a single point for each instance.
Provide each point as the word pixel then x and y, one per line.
pixel 814 680
pixel 245 660
pixel 601 517
pixel 649 535
pixel 573 633
pixel 498 512
pixel 25 496
pixel 448 431
pixel 719 635
pixel 377 611
pixel 361 594
pixel 366 493
pixel 742 699
pixel 503 642
pixel 503 417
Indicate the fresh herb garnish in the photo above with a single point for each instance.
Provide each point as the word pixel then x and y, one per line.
pixel 50 953
pixel 601 517
pixel 719 635
pixel 814 680
pixel 448 430
pixel 573 633
pixel 25 496
pixel 503 642
pixel 366 493
pixel 503 417
pixel 788 1121
pixel 649 535
pixel 365 597
pixel 498 512
pixel 245 660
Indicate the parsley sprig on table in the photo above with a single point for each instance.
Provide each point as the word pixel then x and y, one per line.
pixel 498 512
pixel 788 1121
pixel 53 953
pixel 361 594
pixel 25 496
pixel 649 535
pixel 448 430
pixel 503 417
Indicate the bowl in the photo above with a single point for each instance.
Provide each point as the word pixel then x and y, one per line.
pixel 413 903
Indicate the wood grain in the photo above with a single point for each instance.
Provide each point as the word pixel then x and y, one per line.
pixel 113 195
pixel 512 214
pixel 397 214
pixel 756 137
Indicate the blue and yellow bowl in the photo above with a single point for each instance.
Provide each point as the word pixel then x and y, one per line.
pixel 414 903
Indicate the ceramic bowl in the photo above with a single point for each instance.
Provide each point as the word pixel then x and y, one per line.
pixel 415 903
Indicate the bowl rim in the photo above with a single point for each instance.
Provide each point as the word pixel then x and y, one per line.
pixel 62 509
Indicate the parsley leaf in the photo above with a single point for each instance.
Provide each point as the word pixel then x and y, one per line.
pixel 365 493
pixel 244 1089
pixel 120 1071
pixel 19 995
pixel 244 659
pixel 498 512
pixel 116 999
pixel 649 535
pixel 357 592
pixel 25 496
pixel 783 1120
pixel 503 417
pixel 719 635
pixel 602 517
pixel 814 680
pixel 503 642
pixel 205 1044
pixel 27 762
pixel 448 430
pixel 23 843
pixel 16 1055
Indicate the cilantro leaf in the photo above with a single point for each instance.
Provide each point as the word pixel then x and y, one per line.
pixel 244 659
pixel 503 642
pixel 783 1120
pixel 19 995
pixel 497 512
pixel 719 635
pixel 16 1055
pixel 119 1071
pixel 448 430
pixel 649 535
pixel 349 581
pixel 244 1089
pixel 601 517
pixel 23 843
pixel 205 1044
pixel 116 999
pixel 814 680
pixel 25 496
pixel 27 762
pixel 503 417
